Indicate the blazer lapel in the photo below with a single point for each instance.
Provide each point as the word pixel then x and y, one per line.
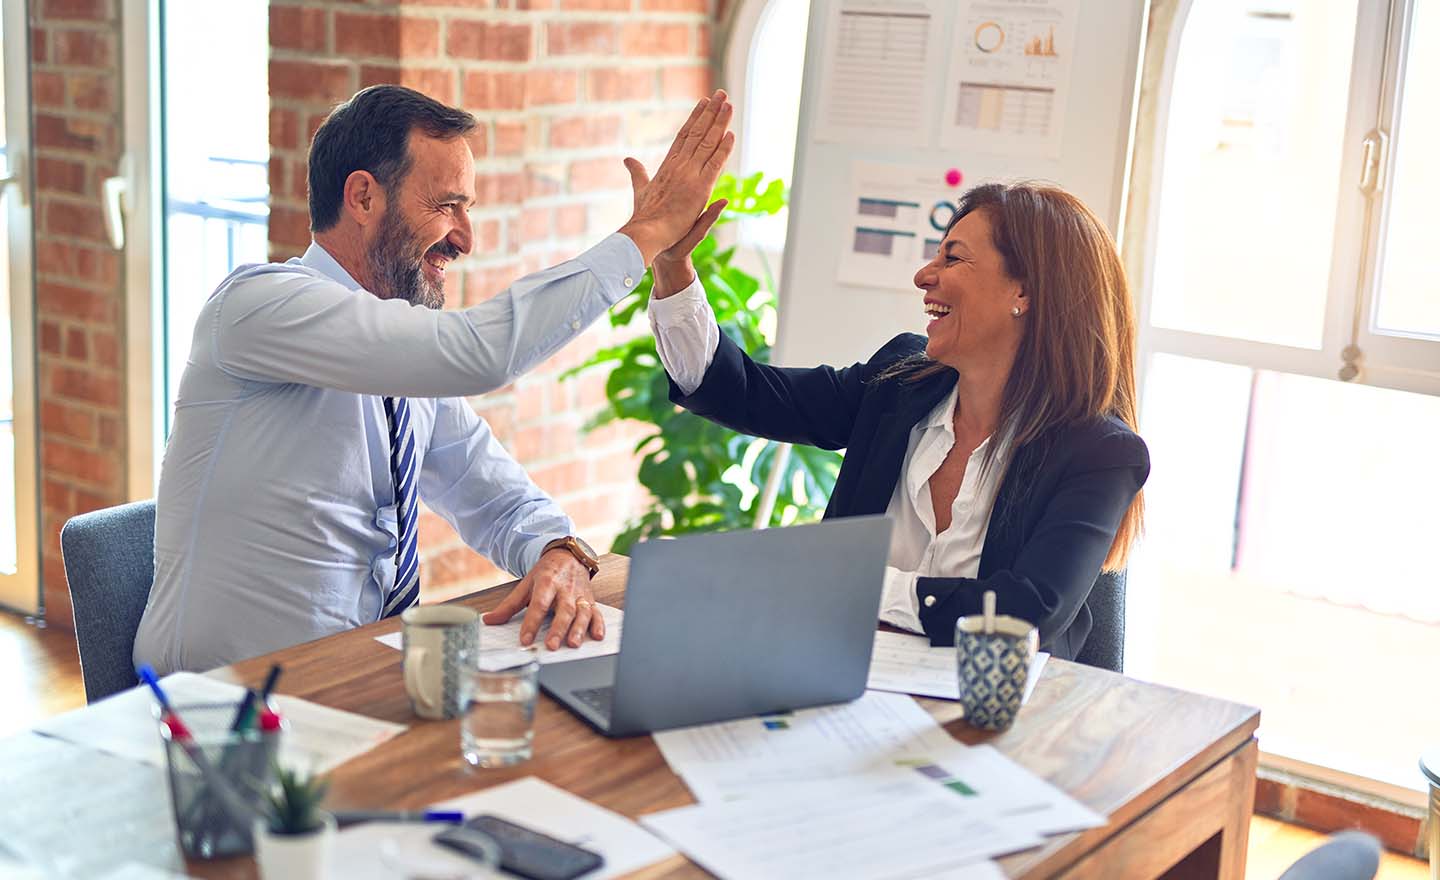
pixel 911 402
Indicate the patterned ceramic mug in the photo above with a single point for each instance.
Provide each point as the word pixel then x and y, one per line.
pixel 434 641
pixel 993 667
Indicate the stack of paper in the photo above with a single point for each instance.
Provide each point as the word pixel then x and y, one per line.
pixel 386 850
pixel 318 738
pixel 907 664
pixel 507 635
pixel 873 788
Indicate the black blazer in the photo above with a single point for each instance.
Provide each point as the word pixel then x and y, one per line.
pixel 1056 512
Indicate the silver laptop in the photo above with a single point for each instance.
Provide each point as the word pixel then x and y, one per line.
pixel 730 625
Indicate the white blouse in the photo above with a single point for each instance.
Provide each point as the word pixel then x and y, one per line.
pixel 686 336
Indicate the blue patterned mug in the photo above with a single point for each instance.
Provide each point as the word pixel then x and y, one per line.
pixel 993 668
pixel 435 640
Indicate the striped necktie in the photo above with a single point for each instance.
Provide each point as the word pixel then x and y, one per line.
pixel 406 591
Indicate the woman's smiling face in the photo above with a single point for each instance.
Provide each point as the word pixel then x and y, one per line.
pixel 969 296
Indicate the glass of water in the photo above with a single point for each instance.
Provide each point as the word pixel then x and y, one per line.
pixel 498 691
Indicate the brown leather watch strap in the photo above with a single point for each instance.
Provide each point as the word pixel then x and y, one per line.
pixel 572 544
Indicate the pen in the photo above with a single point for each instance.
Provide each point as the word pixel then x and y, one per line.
pixel 242 713
pixel 352 817
pixel 270 679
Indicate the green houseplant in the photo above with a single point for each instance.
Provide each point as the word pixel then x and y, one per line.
pixel 294 838
pixel 702 477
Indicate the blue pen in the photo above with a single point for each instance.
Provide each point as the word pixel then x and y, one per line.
pixel 352 817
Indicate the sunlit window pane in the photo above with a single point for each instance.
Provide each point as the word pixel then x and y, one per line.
pixel 1410 264
pixel 1252 169
pixel 772 106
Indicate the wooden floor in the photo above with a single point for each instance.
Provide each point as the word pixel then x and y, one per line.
pixel 43 677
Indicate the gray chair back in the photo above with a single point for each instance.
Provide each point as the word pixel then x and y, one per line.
pixel 1349 855
pixel 109 565
pixel 1105 646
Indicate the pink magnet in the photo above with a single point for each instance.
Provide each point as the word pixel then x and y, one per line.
pixel 953 177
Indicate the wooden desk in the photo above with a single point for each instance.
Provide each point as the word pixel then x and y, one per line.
pixel 1174 771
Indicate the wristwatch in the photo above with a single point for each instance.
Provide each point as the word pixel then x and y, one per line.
pixel 577 548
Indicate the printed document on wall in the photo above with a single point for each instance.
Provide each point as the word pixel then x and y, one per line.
pixel 897 219
pixel 876 85
pixel 1009 76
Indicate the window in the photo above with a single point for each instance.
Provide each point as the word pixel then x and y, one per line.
pixel 1288 560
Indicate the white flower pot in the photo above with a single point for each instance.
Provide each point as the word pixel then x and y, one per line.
pixel 294 856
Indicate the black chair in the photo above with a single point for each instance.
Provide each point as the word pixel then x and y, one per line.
pixel 1105 646
pixel 110 567
pixel 1349 855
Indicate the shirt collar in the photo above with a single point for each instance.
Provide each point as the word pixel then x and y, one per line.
pixel 319 259
pixel 943 415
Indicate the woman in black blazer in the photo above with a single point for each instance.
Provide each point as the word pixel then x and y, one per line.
pixel 1032 340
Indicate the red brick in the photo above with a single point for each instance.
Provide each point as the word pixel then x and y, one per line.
pixel 544 180
pixel 299 28
pixel 466 4
pixel 647 38
pixel 39 46
pixel 106 348
pixel 581 38
pixel 62 175
pixel 49 337
pixel 82 465
pixel 279 179
pixel 619 468
pixel 101 388
pixel 64 133
pixel 77 10
pixel 487 237
pixel 620 84
pixel 506 188
pixel 494 91
pixel 289 226
pixel 48 89
pixel 571 220
pixel 685 82
pixel 88 501
pixel 484 282
pixel 590 391
pixel 551 87
pixel 80 220
pixel 437 82
pixel 67 421
pixel 509 138
pixel 434 532
pixel 530 401
pixel 76 347
pixel 702 38
pixel 456 565
pixel 85 48
pixel 535 224
pixel 313 124
pixel 58 496
pixel 94 93
pixel 584 131
pixel 675 5
pixel 561 479
pixel 489 41
pixel 479 141
pixel 311 81
pixel 597 5
pixel 588 175
pixel 284 128
pixel 386 36
pixel 75 303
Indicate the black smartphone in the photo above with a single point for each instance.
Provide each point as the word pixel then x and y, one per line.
pixel 523 852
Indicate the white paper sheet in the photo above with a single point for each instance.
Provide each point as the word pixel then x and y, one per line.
pixel 507 635
pixel 907 664
pixel 897 220
pixel 318 738
pixel 1009 77
pixel 71 811
pixel 881 835
pixel 373 850
pixel 876 84
pixel 871 735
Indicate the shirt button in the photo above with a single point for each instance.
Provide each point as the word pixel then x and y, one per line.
pixel 574 325
pixel 929 601
pixel 629 282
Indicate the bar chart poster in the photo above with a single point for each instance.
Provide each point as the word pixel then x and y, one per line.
pixel 1009 76
pixel 896 222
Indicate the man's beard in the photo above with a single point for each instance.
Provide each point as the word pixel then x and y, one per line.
pixel 397 272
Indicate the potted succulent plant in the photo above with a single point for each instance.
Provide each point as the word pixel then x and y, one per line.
pixel 293 840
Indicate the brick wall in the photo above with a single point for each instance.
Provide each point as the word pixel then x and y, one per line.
pixel 77 126
pixel 564 90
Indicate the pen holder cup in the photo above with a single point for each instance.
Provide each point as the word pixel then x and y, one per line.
pixel 218 780
pixel 993 667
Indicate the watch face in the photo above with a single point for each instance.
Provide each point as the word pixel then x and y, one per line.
pixel 589 551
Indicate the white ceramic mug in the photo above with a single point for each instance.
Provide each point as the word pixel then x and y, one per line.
pixel 434 639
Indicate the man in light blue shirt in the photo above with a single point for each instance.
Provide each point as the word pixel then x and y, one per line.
pixel 323 397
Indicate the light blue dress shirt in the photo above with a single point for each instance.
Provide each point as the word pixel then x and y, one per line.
pixel 276 519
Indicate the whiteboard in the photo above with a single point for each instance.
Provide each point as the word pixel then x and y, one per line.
pixel 821 319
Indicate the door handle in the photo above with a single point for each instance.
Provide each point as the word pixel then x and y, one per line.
pixel 112 193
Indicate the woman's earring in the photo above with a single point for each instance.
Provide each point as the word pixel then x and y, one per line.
pixel 1015 312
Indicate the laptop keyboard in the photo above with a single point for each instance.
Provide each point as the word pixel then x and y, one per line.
pixel 598 699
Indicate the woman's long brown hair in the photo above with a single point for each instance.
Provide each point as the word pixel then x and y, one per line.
pixel 1076 360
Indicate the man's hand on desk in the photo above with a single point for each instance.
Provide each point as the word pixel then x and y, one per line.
pixel 558 583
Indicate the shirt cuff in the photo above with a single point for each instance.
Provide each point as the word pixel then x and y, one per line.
pixel 899 605
pixel 680 308
pixel 534 548
pixel 617 262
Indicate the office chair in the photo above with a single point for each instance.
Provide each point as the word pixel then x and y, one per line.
pixel 1105 646
pixel 1349 855
pixel 109 565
